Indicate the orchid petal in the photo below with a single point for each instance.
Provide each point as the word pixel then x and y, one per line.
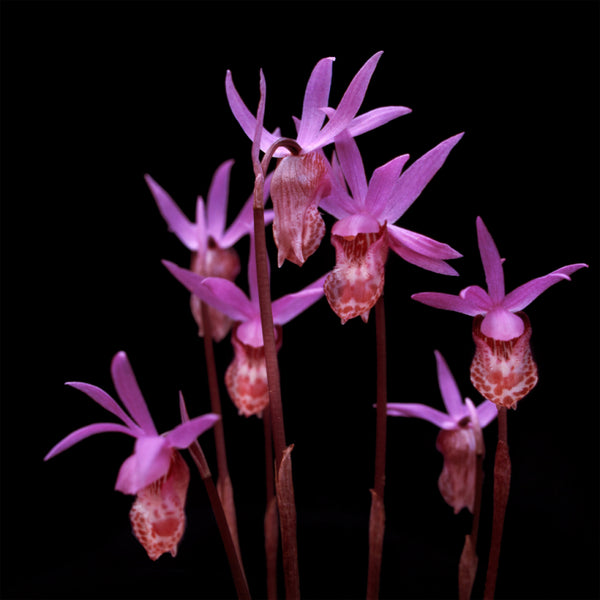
pixel 290 306
pixel 149 462
pixel 183 409
pixel 500 324
pixel 129 392
pixel 201 228
pixel 178 223
pixel 421 411
pixel 355 224
pixel 478 297
pixel 415 178
pixel 87 431
pixel 348 106
pixel 244 117
pixel 375 118
pixel 381 184
pixel 446 302
pixel 492 263
pixel 216 201
pixel 338 202
pixel 351 162
pixel 315 96
pixel 422 244
pixel 486 413
pixel 183 435
pixel 525 294
pixel 448 388
pixel 105 401
pixel 217 292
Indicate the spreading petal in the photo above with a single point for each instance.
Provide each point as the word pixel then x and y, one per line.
pixel 216 201
pixel 290 306
pixel 183 435
pixel 129 392
pixel 375 118
pixel 525 294
pixel 352 167
pixel 492 263
pixel 486 413
pixel 84 432
pixel 449 390
pixel 447 302
pixel 381 184
pixel 478 297
pixel 421 411
pixel 178 223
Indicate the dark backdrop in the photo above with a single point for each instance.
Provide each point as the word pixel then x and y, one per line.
pixel 95 95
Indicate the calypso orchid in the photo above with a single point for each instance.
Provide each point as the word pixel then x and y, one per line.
pixel 209 240
pixel 503 369
pixel 246 376
pixel 457 439
pixel 301 179
pixel 365 230
pixel 155 473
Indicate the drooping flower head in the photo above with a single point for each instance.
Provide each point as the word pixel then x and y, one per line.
pixel 457 440
pixel 155 473
pixel 246 376
pixel 365 230
pixel 210 241
pixel 301 180
pixel 503 369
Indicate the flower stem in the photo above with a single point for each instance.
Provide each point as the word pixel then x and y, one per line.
pixel 271 517
pixel 283 480
pixel 377 517
pixel 224 486
pixel 233 556
pixel 502 472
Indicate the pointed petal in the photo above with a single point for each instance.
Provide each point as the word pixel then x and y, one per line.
pixel 183 435
pixel 478 297
pixel 288 307
pixel 486 412
pixel 446 302
pixel 216 201
pixel 244 117
pixel 421 411
pixel 413 181
pixel 178 223
pixel 382 183
pixel 492 263
pixel 201 232
pixel 130 394
pixel 149 462
pixel 220 293
pixel 375 118
pixel 84 432
pixel 525 294
pixel 338 202
pixel 348 106
pixel 315 97
pixel 105 401
pixel 351 162
pixel 449 390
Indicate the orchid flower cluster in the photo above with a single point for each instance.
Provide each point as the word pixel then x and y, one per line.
pixel 306 181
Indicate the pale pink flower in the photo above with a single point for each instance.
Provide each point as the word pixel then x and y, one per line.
pixel 155 473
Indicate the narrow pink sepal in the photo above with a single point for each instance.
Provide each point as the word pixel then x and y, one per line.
pixel 351 163
pixel 290 306
pixel 525 294
pixel 446 302
pixel 448 389
pixel 375 118
pixel 486 413
pixel 216 200
pixel 381 184
pixel 478 297
pixel 87 431
pixel 492 263
pixel 421 411
pixel 183 435
pixel 130 394
pixel 421 244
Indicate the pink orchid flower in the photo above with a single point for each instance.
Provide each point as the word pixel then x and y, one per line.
pixel 300 181
pixel 456 440
pixel 155 473
pixel 503 369
pixel 209 240
pixel 365 231
pixel 246 376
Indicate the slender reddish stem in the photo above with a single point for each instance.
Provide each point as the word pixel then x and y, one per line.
pixel 271 517
pixel 502 473
pixel 377 517
pixel 224 486
pixel 235 561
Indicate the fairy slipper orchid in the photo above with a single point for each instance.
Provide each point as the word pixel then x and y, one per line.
pixel 155 473
pixel 209 240
pixel 246 376
pixel 503 369
pixel 365 230
pixel 300 181
pixel 460 428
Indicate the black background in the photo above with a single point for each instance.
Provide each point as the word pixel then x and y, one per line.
pixel 95 95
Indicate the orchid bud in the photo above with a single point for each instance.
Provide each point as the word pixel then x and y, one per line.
pixel 298 184
pixel 503 371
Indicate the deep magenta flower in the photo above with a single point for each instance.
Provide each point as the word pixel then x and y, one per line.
pixel 155 473
pixel 246 376
pixel 456 440
pixel 365 230
pixel 503 369
pixel 299 182
pixel 210 241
